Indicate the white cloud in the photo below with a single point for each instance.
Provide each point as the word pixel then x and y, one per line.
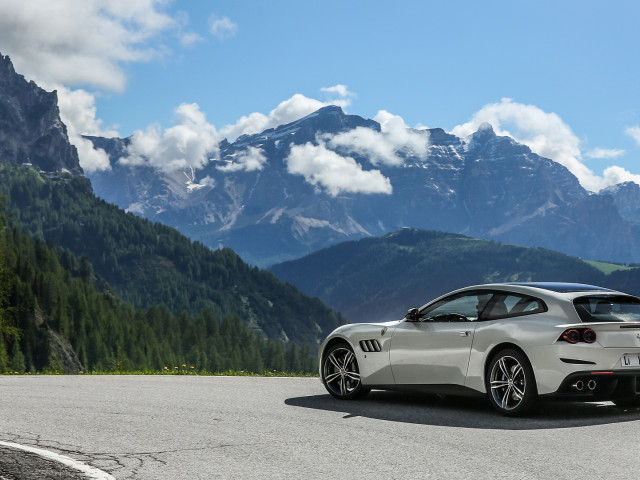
pixel 333 172
pixel 152 146
pixel 401 136
pixel 78 108
pixel 91 159
pixel 339 89
pixel 79 42
pixel 186 144
pixel 322 164
pixel 288 111
pixel 382 147
pixel 188 39
pixel 634 132
pixel 65 43
pixel 547 135
pixel 222 27
pixel 338 95
pixel 614 175
pixel 78 113
pixel 248 160
pixel 365 142
pixel 604 153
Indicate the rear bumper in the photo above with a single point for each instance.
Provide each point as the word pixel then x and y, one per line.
pixel 556 365
pixel 599 385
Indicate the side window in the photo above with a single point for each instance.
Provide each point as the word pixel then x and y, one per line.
pixel 454 308
pixel 513 305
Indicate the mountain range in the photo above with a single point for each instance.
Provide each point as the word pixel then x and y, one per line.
pixel 486 186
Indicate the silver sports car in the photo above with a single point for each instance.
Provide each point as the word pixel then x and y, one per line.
pixel 513 342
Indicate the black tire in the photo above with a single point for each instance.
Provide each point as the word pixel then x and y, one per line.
pixel 340 372
pixel 511 384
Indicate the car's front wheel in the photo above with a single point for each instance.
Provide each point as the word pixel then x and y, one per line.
pixel 510 383
pixel 340 373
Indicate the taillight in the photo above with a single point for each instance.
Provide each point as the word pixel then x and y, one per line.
pixel 571 336
pixel 575 335
pixel 589 335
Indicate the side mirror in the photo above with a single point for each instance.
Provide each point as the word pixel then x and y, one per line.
pixel 413 314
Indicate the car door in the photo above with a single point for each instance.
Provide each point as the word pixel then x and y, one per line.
pixel 434 348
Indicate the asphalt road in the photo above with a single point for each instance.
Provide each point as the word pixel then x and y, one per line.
pixel 187 427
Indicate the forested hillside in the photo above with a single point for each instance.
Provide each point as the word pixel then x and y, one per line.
pixel 149 264
pixel 381 278
pixel 51 310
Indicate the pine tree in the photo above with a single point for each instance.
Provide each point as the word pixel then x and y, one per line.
pixel 17 359
pixel 7 329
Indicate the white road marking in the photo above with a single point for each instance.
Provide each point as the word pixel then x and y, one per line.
pixel 91 472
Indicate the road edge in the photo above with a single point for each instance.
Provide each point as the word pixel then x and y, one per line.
pixel 90 472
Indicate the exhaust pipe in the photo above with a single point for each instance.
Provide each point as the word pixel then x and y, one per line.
pixel 579 385
pixel 591 384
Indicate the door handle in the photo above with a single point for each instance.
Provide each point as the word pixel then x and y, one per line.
pixel 465 334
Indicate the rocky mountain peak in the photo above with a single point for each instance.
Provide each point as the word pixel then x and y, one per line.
pixel 626 196
pixel 622 187
pixel 30 127
pixel 485 143
pixel 437 136
pixel 6 67
pixel 486 127
pixel 330 119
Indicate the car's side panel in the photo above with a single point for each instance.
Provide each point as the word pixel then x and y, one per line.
pixel 431 352
pixel 531 333
pixel 374 365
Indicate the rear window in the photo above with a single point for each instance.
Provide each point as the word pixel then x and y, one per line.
pixel 608 308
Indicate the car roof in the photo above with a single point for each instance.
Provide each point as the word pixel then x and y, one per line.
pixel 561 287
pixel 547 291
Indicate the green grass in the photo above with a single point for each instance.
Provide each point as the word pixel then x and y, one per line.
pixel 606 267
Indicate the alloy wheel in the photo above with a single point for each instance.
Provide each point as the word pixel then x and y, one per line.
pixel 508 382
pixel 340 373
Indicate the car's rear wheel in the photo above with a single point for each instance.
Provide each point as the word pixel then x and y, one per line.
pixel 340 372
pixel 510 383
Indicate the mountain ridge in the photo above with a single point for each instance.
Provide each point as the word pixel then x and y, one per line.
pixel 380 278
pixel 487 186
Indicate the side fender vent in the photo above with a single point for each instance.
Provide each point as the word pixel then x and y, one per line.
pixel 370 346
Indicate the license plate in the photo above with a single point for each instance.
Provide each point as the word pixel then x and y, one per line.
pixel 630 360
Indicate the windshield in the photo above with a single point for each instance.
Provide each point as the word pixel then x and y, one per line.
pixel 608 308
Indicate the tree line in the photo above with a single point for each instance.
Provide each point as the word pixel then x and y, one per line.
pixel 46 291
pixel 148 263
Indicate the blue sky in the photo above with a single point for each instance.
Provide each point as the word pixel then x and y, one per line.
pixel 435 64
